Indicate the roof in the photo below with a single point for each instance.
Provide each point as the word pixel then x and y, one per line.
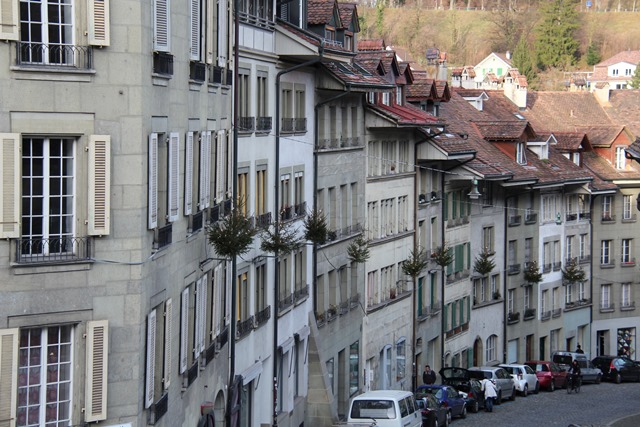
pixel 385 57
pixel 501 130
pixel 600 70
pixel 623 108
pixel 347 13
pixel 373 44
pixel 601 136
pixel 404 114
pixel 564 111
pixel 321 12
pixel 355 75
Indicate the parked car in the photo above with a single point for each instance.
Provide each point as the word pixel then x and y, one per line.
pixel 501 378
pixel 525 378
pixel 549 374
pixel 588 371
pixel 389 408
pixel 448 397
pixel 617 369
pixel 433 413
pixel 460 379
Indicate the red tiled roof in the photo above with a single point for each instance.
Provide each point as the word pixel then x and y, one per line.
pixel 630 56
pixel 601 136
pixel 501 130
pixel 623 108
pixel 321 12
pixel 570 141
pixel 347 12
pixel 356 76
pixel 386 57
pixel 605 170
pixel 404 114
pixel 563 111
pixel 375 44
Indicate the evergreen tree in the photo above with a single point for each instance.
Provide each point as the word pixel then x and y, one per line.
pixel 557 45
pixel 593 55
pixel 523 62
pixel 635 80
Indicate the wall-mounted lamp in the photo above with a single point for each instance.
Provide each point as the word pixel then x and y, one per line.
pixel 474 194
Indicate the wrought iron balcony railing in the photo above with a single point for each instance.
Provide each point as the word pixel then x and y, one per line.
pixel 54 55
pixel 263 124
pixel 53 250
pixel 163 63
pixel 197 71
pixel 246 124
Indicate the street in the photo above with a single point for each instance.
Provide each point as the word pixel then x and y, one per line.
pixel 596 405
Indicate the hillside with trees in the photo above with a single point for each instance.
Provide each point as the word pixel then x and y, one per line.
pixel 546 38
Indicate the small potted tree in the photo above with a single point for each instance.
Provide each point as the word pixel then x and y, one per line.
pixel 358 250
pixel 532 273
pixel 233 235
pixel 484 263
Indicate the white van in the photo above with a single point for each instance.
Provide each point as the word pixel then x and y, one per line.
pixel 389 408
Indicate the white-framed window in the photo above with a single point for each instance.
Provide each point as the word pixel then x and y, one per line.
pixel 605 252
pixel 568 293
pixel 569 247
pixel 544 302
pixel 487 239
pixel 550 207
pixel 626 206
pixel 262 101
pixel 581 295
pixel 158 352
pixel 554 298
pixel 527 293
pixel 521 155
pixel 243 192
pixel 242 292
pixel 47 32
pixel 401 359
pixel 584 248
pixel 620 158
pixel 163 181
pixel 285 191
pixel 494 284
pixel 490 351
pixel 626 295
pixel 511 295
pixel 607 207
pixel 626 251
pixel 605 295
pixel 261 190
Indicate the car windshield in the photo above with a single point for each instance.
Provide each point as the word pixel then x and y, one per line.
pixel 480 375
pixel 562 359
pixel 373 408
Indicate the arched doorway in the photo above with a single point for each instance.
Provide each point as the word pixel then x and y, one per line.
pixel 477 352
pixel 219 410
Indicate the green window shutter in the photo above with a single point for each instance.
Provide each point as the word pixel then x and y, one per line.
pixel 450 267
pixel 445 206
pixel 468 255
pixel 454 206
pixel 462 311
pixel 459 258
pixel 468 309
pixel 453 314
pixel 445 316
pixel 420 303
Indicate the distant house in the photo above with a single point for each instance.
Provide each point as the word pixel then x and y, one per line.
pixel 616 71
pixel 496 63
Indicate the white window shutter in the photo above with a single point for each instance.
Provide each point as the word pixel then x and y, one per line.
pixel 99 184
pixel 197 348
pixel 98 22
pixel 168 338
pixel 221 155
pixel 210 31
pixel 194 48
pixel 223 18
pixel 8 375
pixel 207 181
pixel 162 27
pixel 9 183
pixel 173 185
pixel 96 365
pixel 9 19
pixel 217 299
pixel 184 330
pixel 229 150
pixel 153 181
pixel 188 174
pixel 202 302
pixel 151 360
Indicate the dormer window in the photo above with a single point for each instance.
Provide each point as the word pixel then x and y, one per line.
pixel 521 157
pixel 385 98
pixel 399 95
pixel 620 162
pixel 348 42
pixel 576 158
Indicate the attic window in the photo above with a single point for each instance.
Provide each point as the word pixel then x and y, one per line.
pixel 519 116
pixel 620 158
pixel 521 157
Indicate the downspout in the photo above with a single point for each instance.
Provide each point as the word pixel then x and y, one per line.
pixel 591 204
pixel 505 261
pixel 277 225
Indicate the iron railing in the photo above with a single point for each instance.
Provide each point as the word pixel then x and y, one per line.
pixel 246 124
pixel 263 124
pixel 54 55
pixel 53 250
pixel 197 71
pixel 163 63
pixel 164 236
pixel 263 315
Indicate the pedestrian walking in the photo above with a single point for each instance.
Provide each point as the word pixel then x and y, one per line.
pixel 428 376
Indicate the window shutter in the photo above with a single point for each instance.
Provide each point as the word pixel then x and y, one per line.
pixel 195 30
pixel 210 31
pixel 97 365
pixel 99 184
pixel 188 174
pixel 9 182
pixel 9 19
pixel 221 155
pixel 162 28
pixel 151 360
pixel 168 325
pixel 99 23
pixel 202 322
pixel 445 206
pixel 223 37
pixel 153 181
pixel 8 375
pixel 198 343
pixel 205 170
pixel 173 196
pixel 184 330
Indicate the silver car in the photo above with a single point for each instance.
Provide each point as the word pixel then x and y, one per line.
pixel 524 377
pixel 500 377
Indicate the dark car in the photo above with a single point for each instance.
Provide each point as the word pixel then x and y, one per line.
pixel 433 413
pixel 460 379
pixel 448 397
pixel 550 376
pixel 617 369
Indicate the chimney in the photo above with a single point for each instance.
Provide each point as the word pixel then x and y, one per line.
pixel 508 55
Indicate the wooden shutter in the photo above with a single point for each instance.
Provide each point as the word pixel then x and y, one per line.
pixel 168 338
pixel 221 155
pixel 202 321
pixel 188 174
pixel 8 376
pixel 184 330
pixel 99 184
pixel 161 27
pixel 210 31
pixel 173 184
pixel 223 37
pixel 153 181
pixel 96 376
pixel 9 183
pixel 205 170
pixel 149 392
pixel 197 342
pixel 98 23
pixel 194 41
pixel 9 19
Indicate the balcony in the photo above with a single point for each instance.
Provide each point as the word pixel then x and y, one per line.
pixel 54 56
pixel 300 209
pixel 301 293
pixel 243 327
pixel 608 218
pixel 263 124
pixel 557 266
pixel 263 316
pixel 513 269
pixel 197 71
pixel 529 313
pixel 571 216
pixel 546 268
pixel 545 315
pixel 53 251
pixel 556 312
pixel 163 63
pixel 192 374
pixel 294 124
pixel 216 74
pixel 513 317
pixel 584 216
pixel 246 124
pixel 285 302
pixel 158 409
pixel 530 218
pixel 164 236
pixel 627 305
pixel 286 213
pixel 263 220
pixel 196 222
pixel 515 220
pixel 607 307
pixel 457 330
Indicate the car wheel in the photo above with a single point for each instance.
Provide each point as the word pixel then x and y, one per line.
pixel 476 407
pixel 618 379
pixel 537 390
pixel 448 420
pixel 525 392
pixel 463 414
pixel 552 387
pixel 499 398
pixel 513 394
pixel 598 379
pixel 435 423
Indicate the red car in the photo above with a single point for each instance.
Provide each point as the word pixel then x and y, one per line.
pixel 550 376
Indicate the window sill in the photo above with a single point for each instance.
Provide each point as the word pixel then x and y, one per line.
pixel 44 267
pixel 160 79
pixel 51 74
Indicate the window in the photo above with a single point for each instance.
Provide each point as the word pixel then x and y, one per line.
pixel 550 207
pixel 329 365
pixel 285 195
pixel 569 247
pixel 300 271
pixel 300 123
pixel 605 252
pixel 163 182
pixel 193 330
pixel 521 156
pixel 605 296
pixel 626 251
pixel 620 158
pixel 245 120
pixel 252 9
pixel 284 277
pixel 544 304
pixel 400 359
pixel 487 239
pixel 626 295
pixel 354 368
pixel 261 288
pixel 262 106
pixel 554 298
pixel 546 256
pixel 581 295
pixel 46 32
pixel 242 292
pixel 584 249
pixel 298 193
pixel 158 353
pixel 243 192
pixel 626 206
pixel 490 352
pixel 197 172
pixel 567 293
pixel 494 286
pixel 511 296
pixel 607 208
pixel 261 191
pixel 528 293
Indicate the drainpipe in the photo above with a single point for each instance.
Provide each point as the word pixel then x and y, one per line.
pixel 277 226
pixel 505 266
pixel 591 204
